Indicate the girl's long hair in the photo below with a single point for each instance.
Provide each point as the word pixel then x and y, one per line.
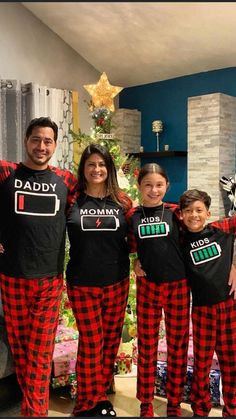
pixel 150 168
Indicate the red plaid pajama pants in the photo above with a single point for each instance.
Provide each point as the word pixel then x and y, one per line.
pixel 99 314
pixel 31 309
pixel 174 299
pixel 214 329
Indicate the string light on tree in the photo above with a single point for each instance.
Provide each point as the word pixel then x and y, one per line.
pixel 103 93
pixel 101 108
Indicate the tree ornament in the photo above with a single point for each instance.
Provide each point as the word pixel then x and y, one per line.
pixel 103 93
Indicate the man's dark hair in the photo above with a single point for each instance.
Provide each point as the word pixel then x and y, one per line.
pixel 193 195
pixel 43 121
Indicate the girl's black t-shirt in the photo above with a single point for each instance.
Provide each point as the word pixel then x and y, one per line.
pixel 154 235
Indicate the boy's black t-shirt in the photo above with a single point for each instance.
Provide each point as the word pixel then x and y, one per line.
pixel 97 230
pixel 208 258
pixel 154 235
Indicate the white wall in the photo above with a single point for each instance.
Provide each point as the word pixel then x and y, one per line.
pixel 30 51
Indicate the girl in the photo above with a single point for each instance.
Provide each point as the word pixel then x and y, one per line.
pixel 97 277
pixel 154 235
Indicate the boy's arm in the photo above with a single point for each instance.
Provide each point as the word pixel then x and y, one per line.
pixel 228 225
pixel 229 185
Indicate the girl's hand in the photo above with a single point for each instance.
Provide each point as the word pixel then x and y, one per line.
pixel 1 248
pixel 140 272
pixel 232 281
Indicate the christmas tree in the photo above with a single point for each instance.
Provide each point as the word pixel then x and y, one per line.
pixel 101 132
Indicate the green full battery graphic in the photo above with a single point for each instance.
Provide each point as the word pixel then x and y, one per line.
pixel 153 230
pixel 205 253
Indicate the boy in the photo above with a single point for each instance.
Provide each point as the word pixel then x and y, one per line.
pixel 208 253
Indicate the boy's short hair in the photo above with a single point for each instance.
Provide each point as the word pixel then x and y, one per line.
pixel 192 195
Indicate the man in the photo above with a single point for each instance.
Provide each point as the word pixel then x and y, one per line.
pixel 34 199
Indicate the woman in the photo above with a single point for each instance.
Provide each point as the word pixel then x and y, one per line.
pixel 97 276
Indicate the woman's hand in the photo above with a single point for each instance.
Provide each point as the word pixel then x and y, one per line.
pixel 138 270
pixel 1 248
pixel 232 281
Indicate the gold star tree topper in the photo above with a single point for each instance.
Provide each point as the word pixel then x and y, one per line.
pixel 103 93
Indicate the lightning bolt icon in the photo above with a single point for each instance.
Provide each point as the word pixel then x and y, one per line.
pixel 98 222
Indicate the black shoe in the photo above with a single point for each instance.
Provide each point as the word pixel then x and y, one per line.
pixel 103 408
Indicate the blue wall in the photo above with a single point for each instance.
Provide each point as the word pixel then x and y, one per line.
pixel 167 100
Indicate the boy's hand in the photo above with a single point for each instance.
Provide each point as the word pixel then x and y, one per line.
pixel 138 270
pixel 232 281
pixel 228 183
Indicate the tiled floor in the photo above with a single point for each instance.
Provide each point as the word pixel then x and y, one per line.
pixel 125 403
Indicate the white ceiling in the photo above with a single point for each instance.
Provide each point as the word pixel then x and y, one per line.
pixel 142 42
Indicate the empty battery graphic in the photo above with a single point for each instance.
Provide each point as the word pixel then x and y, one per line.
pixel 99 222
pixel 153 230
pixel 205 253
pixel 37 204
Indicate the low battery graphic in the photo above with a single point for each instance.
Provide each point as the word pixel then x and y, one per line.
pixel 99 222
pixel 37 204
pixel 153 230
pixel 205 253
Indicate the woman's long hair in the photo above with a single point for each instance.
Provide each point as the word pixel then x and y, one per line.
pixel 112 186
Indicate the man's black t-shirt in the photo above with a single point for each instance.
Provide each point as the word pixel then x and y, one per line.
pixel 33 219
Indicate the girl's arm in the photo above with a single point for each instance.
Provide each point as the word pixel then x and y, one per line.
pixel 232 281
pixel 132 243
pixel 138 270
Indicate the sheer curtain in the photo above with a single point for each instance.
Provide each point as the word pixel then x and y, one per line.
pixel 19 103
pixel 11 105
